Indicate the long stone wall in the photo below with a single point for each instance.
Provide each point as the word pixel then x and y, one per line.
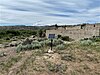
pixel 76 32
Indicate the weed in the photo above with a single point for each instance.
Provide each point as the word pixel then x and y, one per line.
pixel 56 67
pixel 60 47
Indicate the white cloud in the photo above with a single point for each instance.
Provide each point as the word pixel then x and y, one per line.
pixel 49 11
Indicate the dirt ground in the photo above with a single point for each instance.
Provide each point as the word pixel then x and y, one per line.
pixel 77 62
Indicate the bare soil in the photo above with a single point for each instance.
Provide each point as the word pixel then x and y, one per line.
pixel 76 62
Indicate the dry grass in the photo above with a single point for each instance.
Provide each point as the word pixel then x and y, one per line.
pixel 75 59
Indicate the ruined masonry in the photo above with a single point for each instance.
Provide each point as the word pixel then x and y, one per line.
pixel 76 32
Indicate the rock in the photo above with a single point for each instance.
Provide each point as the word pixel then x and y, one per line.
pixel 3 54
pixel 50 51
pixel 14 43
pixel 33 36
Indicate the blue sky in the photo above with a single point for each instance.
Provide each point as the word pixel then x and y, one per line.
pixel 44 12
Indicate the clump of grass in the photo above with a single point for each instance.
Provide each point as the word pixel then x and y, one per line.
pixel 57 42
pixel 33 45
pixel 29 46
pixel 38 68
pixel 68 57
pixel 6 65
pixel 24 47
pixel 86 42
pixel 73 72
pixel 36 46
pixel 95 39
pixel 47 42
pixel 19 48
pixel 61 68
pixel 60 47
pixel 40 44
pixel 35 42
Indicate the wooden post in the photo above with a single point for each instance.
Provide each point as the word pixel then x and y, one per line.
pixel 51 43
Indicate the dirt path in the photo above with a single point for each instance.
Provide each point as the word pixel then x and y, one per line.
pixel 15 67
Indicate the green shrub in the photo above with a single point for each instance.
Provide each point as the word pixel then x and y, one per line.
pixel 27 41
pixel 97 48
pixel 36 46
pixel 43 43
pixel 60 47
pixel 95 39
pixel 59 36
pixel 47 42
pixel 94 44
pixel 86 42
pixel 19 48
pixel 24 47
pixel 35 42
pixel 33 45
pixel 65 38
pixel 57 42
pixel 29 46
pixel 41 33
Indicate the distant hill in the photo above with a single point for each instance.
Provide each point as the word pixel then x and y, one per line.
pixel 24 27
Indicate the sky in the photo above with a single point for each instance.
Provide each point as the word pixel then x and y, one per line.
pixel 47 12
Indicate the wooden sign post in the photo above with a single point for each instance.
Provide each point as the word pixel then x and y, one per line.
pixel 51 36
pixel 51 43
